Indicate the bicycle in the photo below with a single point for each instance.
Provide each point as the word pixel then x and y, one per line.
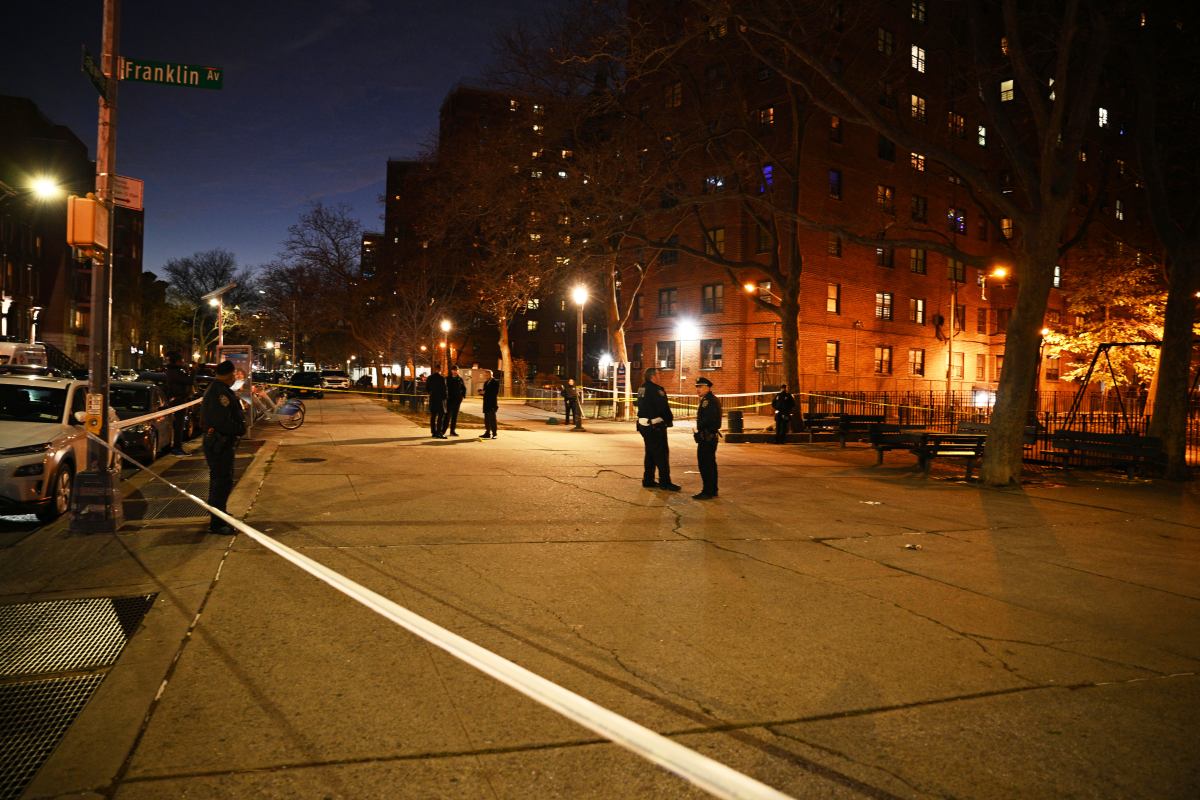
pixel 278 407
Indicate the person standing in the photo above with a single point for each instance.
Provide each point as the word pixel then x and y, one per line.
pixel 179 389
pixel 456 390
pixel 491 403
pixel 223 426
pixel 785 406
pixel 435 385
pixel 568 395
pixel 653 419
pixel 708 432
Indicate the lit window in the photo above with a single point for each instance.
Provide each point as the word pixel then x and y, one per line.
pixel 714 183
pixel 916 362
pixel 539 129
pixel 956 125
pixel 1119 210
pixel 956 219
pixel 885 41
pixel 714 241
pixel 533 304
pixel 1004 45
pixel 1057 280
pixel 917 105
pixel 718 28
pixel 883 360
pixel 835 184
pixel 833 298
pixel 956 271
pixel 918 11
pixel 562 173
pixel 835 128
pixel 768 173
pixel 1120 168
pixel 513 105
pixel 885 257
pixel 1006 227
pixel 1103 117
pixel 957 365
pixel 568 154
pixel 535 173
pixel 918 58
pixel 918 162
pixel 531 325
pixel 918 260
pixel 1006 91
pixel 981 136
pixel 1051 85
pixel 883 305
pixel 916 310
pixel 832 353
pixel 535 237
pixel 885 197
pixel 537 109
pixel 766 116
pixel 673 95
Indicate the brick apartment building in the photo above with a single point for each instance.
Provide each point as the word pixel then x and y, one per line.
pixel 871 318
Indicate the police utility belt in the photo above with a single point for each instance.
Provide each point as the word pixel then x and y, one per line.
pixel 705 436
pixel 657 422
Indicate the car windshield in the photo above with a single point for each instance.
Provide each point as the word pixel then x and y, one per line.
pixel 31 403
pixel 333 373
pixel 306 379
pixel 129 399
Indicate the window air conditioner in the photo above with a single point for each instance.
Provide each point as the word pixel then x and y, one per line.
pixel 714 363
pixel 664 364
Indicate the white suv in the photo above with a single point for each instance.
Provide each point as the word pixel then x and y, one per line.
pixel 41 444
pixel 334 379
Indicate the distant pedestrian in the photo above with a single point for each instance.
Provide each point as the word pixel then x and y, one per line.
pixel 491 403
pixel 653 419
pixel 435 385
pixel 567 392
pixel 223 426
pixel 179 389
pixel 456 390
pixel 570 395
pixel 785 406
pixel 708 432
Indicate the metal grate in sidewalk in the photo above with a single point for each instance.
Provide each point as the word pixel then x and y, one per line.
pixel 34 715
pixel 67 635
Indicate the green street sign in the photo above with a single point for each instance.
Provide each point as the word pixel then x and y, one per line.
pixel 133 69
pixel 95 75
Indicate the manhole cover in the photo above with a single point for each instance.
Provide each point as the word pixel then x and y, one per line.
pixel 307 460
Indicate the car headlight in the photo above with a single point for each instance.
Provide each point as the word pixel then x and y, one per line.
pixel 28 449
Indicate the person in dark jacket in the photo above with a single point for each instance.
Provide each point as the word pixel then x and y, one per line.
pixel 653 419
pixel 456 390
pixel 570 395
pixel 785 406
pixel 708 432
pixel 224 424
pixel 435 385
pixel 179 389
pixel 491 403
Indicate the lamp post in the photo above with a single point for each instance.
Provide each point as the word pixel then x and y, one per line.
pixel 580 295
pixel 446 343
pixel 216 299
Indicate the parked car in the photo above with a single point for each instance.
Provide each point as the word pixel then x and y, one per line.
pixel 144 440
pixel 334 379
pixel 13 351
pixel 42 443
pixel 305 384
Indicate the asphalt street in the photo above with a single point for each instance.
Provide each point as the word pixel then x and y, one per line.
pixel 829 627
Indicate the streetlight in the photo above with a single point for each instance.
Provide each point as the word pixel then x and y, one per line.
pixel 999 273
pixel 216 298
pixel 446 342
pixel 686 330
pixel 45 188
pixel 580 295
pixel 757 288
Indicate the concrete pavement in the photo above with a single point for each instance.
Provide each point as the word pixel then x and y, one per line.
pixel 1041 642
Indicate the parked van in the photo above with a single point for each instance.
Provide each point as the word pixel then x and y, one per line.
pixel 23 353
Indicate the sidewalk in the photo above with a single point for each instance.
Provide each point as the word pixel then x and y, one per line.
pixel 829 627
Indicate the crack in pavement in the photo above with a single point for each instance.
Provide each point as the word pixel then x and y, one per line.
pixel 848 758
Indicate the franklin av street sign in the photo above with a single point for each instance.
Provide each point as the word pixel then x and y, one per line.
pixel 133 69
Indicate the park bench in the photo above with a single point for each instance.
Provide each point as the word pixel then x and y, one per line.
pixel 968 446
pixel 883 437
pixel 1129 451
pixel 822 422
pixel 1028 435
pixel 857 426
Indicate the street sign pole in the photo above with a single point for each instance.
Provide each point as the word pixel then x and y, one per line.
pixel 97 494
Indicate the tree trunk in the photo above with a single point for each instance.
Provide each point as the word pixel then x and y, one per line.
pixel 505 356
pixel 789 329
pixel 1169 417
pixel 1002 458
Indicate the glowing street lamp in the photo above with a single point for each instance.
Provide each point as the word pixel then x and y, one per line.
pixel 45 188
pixel 756 288
pixel 580 295
pixel 999 273
pixel 446 326
pixel 686 330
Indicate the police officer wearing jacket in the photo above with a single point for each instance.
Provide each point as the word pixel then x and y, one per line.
pixel 654 417
pixel 435 384
pixel 785 406
pixel 223 426
pixel 491 404
pixel 708 431
pixel 456 390
pixel 179 389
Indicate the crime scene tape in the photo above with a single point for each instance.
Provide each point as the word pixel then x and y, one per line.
pixel 712 776
pixel 125 423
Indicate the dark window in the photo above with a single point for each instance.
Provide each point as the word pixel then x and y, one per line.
pixel 762 239
pixel 956 270
pixel 981 367
pixel 714 241
pixel 833 245
pixel 712 298
pixel 920 208
pixel 835 184
pixel 885 257
pixel 666 302
pixel 665 355
pixel 635 356
pixel 917 259
pixel 887 149
pixel 637 307
pixel 669 256
pixel 710 354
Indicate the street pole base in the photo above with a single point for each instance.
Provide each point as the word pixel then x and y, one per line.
pixel 97 502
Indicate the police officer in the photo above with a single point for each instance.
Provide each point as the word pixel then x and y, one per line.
pixel 456 390
pixel 491 404
pixel 708 431
pixel 568 395
pixel 436 386
pixel 223 426
pixel 654 417
pixel 179 389
pixel 785 406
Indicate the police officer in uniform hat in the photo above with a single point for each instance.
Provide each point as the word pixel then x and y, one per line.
pixel 223 426
pixel 708 431
pixel 785 406
pixel 654 417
